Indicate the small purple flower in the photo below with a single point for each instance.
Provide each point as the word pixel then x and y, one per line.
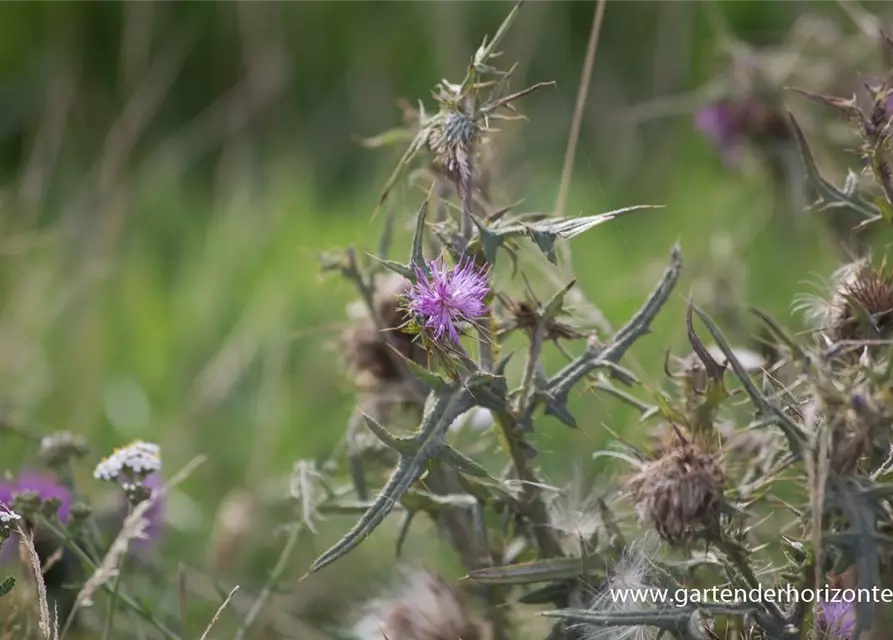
pixel 43 485
pixel 838 619
pixel 449 296
pixel 717 122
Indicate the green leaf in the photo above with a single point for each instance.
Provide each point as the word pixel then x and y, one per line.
pixel 431 379
pixel 400 269
pixel 794 434
pixel 403 445
pixel 829 195
pixel 7 585
pixel 462 463
pixel 549 570
pixel 417 254
pixel 568 228
pixel 555 303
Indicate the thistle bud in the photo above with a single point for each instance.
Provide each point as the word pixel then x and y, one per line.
pixel 451 141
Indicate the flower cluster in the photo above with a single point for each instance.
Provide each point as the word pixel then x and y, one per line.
pixel 131 466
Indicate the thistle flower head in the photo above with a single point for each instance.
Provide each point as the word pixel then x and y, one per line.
pixel 42 488
pixel 859 307
pixel 679 492
pixel 451 140
pixel 424 608
pixel 836 619
pixel 731 123
pixel 717 122
pixel 446 296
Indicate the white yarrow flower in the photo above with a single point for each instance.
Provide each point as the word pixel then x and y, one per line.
pixel 8 519
pixel 135 461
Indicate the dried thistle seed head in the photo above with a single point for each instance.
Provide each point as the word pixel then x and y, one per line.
pixel 451 140
pixel 523 317
pixel 370 353
pixel 861 305
pixel 679 492
pixel 634 571
pixel 423 608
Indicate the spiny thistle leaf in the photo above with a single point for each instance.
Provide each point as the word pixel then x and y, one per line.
pixel 864 546
pixel 417 255
pixel 399 444
pixel 829 195
pixel 442 408
pixel 780 333
pixel 400 269
pixel 462 463
pixel 794 434
pixel 549 570
pixel 572 227
pixel 560 385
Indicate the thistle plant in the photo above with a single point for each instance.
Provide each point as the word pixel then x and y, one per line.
pixel 695 511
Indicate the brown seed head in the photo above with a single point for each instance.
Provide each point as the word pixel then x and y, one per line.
pixel 370 353
pixel 862 305
pixel 679 492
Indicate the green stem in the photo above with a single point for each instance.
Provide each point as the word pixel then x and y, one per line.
pixel 106 633
pixel 128 601
pixel 272 581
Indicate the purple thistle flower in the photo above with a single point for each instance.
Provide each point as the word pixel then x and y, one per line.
pixel 44 486
pixel 448 296
pixel 838 619
pixel 717 121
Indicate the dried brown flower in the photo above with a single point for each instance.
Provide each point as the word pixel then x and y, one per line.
pixel 679 491
pixel 370 353
pixel 451 142
pixel 425 608
pixel 861 307
pixel 523 317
